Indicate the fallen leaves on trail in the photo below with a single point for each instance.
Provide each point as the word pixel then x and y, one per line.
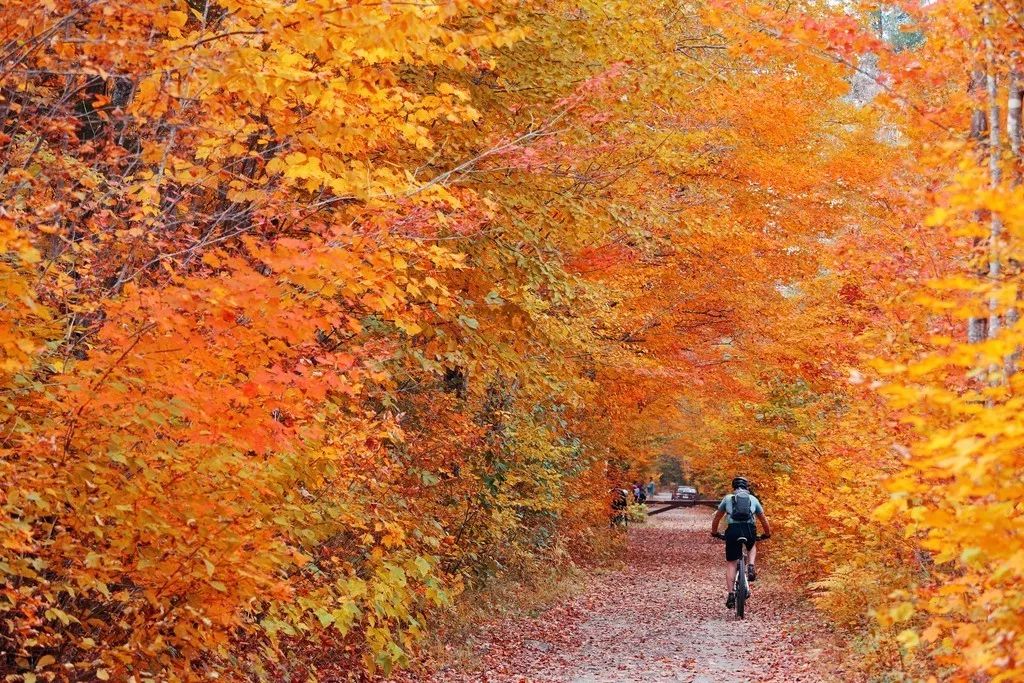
pixel 661 618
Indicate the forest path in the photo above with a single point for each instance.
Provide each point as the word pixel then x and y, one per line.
pixel 662 618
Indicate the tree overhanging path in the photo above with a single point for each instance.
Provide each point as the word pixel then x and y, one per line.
pixel 661 618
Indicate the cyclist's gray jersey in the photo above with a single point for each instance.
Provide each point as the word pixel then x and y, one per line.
pixel 726 507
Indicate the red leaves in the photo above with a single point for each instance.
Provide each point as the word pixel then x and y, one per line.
pixel 306 329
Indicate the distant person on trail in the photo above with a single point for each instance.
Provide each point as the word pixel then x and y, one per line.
pixel 739 508
pixel 650 489
pixel 620 501
pixel 639 495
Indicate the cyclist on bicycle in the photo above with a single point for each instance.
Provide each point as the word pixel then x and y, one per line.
pixel 740 508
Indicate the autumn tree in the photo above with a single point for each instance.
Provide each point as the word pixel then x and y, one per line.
pixel 317 314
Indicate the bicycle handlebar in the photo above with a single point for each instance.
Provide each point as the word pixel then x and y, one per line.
pixel 721 537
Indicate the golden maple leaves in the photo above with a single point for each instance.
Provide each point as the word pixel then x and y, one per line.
pixel 224 338
pixel 316 311
pixel 948 570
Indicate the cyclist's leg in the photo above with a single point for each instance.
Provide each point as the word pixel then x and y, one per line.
pixel 733 550
pixel 751 552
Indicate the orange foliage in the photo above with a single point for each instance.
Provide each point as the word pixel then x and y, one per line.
pixel 918 490
pixel 315 313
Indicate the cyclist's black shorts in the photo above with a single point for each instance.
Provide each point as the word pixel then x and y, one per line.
pixel 733 534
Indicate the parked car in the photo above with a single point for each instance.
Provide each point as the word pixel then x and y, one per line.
pixel 685 493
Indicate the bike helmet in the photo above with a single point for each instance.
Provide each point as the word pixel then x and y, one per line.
pixel 740 483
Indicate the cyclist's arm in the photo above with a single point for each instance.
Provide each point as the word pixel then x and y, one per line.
pixel 765 528
pixel 718 518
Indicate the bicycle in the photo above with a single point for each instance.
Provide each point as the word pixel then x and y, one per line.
pixel 741 588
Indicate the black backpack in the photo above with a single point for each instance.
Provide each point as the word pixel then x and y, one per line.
pixel 742 508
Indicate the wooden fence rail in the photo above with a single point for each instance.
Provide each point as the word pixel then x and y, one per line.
pixel 656 507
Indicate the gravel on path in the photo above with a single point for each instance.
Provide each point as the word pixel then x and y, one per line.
pixel 662 619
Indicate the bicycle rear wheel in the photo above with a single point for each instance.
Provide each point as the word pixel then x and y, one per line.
pixel 741 587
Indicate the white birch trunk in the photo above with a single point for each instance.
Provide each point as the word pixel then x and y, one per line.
pixel 976 325
pixel 1013 136
pixel 995 173
pixel 1013 107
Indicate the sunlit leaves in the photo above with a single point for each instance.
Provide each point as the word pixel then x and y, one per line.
pixel 317 312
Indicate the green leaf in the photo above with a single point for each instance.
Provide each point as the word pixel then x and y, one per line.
pixel 325 617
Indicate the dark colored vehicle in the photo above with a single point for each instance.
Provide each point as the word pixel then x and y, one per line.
pixel 685 493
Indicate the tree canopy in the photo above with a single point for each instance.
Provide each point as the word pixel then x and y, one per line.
pixel 317 313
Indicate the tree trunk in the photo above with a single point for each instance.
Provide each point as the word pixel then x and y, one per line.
pixel 976 326
pixel 995 176
pixel 1013 135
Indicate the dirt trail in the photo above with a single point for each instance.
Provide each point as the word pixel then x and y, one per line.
pixel 663 618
